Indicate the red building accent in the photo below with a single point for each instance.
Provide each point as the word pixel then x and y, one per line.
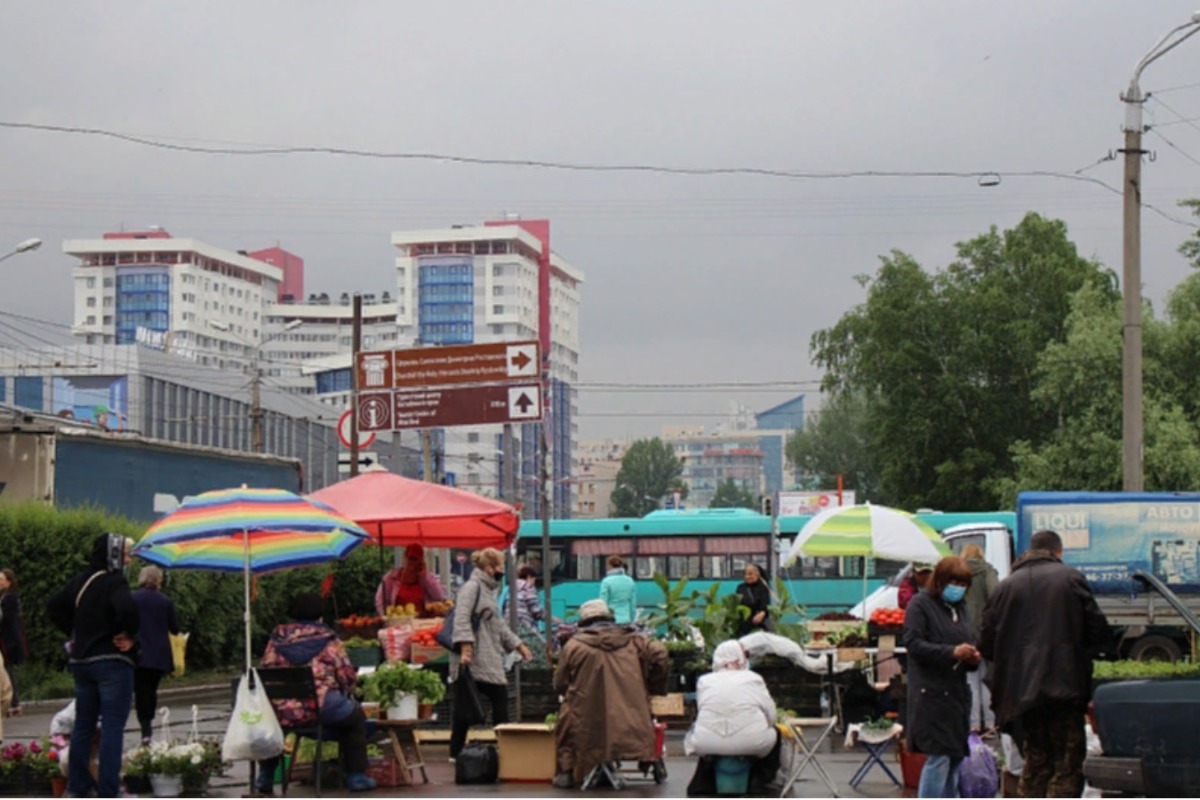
pixel 293 270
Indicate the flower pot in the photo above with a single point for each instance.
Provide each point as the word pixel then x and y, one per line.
pixel 405 707
pixel 167 785
pixel 58 786
pixel 425 711
pixel 370 710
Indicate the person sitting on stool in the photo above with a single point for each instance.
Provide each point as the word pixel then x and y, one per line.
pixel 606 675
pixel 735 716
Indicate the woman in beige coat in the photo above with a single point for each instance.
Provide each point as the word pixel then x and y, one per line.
pixel 481 646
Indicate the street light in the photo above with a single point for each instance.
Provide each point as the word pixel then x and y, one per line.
pixel 26 246
pixel 1132 432
pixel 256 409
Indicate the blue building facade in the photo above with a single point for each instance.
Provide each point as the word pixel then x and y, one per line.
pixel 143 301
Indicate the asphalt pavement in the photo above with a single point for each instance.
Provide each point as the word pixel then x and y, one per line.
pixel 212 713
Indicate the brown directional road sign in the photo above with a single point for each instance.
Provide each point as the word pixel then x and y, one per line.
pixel 439 408
pixel 495 362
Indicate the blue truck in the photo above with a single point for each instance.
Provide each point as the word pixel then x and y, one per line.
pixel 134 476
pixel 1139 551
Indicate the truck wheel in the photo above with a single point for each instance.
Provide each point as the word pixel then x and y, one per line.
pixel 1155 648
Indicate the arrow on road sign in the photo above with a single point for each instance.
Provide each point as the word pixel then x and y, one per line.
pixel 520 360
pixel 364 460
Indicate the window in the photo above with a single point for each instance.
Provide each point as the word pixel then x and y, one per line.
pixel 90 283
pixel 91 320
pixel 108 283
pixel 473 437
pixel 108 302
pixel 91 302
pixel 497 309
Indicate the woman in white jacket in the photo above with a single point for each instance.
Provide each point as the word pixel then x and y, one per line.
pixel 735 716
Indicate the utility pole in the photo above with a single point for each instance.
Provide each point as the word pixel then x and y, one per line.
pixel 545 505
pixel 256 409
pixel 355 348
pixel 1132 417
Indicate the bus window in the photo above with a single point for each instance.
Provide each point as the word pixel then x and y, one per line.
pixel 714 567
pixel 648 565
pixel 887 569
pixel 591 568
pixel 683 567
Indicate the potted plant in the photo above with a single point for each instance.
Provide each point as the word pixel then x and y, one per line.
pixel 400 688
pixel 174 768
pixel 29 769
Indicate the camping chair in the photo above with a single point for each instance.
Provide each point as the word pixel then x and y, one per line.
pixel 296 683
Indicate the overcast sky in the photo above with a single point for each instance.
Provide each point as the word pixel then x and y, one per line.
pixel 689 279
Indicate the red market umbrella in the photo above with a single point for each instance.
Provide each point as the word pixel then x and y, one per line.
pixel 398 511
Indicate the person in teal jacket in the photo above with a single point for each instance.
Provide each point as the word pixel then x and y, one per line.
pixel 619 592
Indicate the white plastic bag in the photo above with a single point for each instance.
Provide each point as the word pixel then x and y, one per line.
pixel 253 733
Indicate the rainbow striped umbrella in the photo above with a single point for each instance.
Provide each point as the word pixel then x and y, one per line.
pixel 249 531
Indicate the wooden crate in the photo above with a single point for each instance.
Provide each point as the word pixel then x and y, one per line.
pixel 845 654
pixel 831 625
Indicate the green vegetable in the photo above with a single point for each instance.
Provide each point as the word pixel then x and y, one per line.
pixel 391 679
pixel 881 724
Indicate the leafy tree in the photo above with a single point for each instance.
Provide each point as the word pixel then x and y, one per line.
pixel 649 470
pixel 946 363
pixel 730 494
pixel 1079 382
pixel 837 442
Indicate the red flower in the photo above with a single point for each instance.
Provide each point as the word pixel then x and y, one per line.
pixel 52 755
pixel 35 748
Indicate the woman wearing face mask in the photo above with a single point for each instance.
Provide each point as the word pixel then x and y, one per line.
pixel 938 636
pixel 482 648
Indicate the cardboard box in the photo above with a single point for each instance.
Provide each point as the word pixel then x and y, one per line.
pixel 670 705
pixel 526 751
pixel 845 654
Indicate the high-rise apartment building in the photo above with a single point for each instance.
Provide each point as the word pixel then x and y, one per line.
pixel 182 295
pixel 498 282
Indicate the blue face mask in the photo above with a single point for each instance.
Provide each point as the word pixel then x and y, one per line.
pixel 953 593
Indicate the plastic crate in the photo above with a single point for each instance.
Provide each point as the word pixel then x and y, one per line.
pixel 386 772
pixel 369 656
pixel 420 654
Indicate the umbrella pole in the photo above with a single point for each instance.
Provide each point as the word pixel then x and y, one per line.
pixel 246 581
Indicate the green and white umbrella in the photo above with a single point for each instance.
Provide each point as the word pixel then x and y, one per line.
pixel 869 532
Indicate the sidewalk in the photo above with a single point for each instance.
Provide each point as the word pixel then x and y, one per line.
pixel 213 713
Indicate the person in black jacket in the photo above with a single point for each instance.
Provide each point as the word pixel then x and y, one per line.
pixel 755 595
pixel 156 619
pixel 1041 629
pixel 95 608
pixel 939 639
pixel 12 632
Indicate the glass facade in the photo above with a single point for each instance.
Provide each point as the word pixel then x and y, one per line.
pixel 143 301
pixel 446 300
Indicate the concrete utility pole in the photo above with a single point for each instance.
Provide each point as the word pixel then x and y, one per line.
pixel 256 409
pixel 1132 416
pixel 355 348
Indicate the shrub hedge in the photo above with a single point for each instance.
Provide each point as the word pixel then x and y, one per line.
pixel 46 546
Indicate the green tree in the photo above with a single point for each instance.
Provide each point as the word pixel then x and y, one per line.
pixel 649 470
pixel 946 363
pixel 1079 382
pixel 730 494
pixel 837 442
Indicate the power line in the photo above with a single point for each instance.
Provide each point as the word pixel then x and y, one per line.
pixel 765 172
pixel 1176 147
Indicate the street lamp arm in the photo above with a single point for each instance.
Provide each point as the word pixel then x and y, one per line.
pixel 1158 51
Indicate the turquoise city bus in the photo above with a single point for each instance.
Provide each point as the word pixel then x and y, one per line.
pixel 706 546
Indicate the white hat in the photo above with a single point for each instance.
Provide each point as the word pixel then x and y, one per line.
pixel 593 609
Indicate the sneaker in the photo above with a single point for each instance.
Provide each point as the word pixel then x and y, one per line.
pixel 563 780
pixel 358 782
pixel 451 759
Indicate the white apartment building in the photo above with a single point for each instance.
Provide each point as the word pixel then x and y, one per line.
pixel 296 335
pixel 180 295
